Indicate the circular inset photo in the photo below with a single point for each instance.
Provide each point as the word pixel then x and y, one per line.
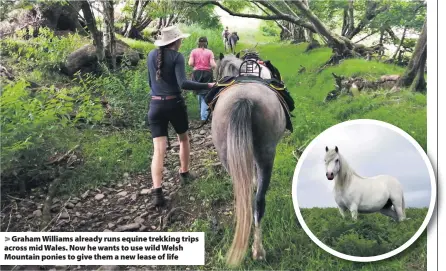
pixel 364 190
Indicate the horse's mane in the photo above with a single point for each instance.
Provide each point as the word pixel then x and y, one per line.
pixel 345 172
pixel 229 66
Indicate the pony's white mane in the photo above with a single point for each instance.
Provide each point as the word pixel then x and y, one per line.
pixel 345 173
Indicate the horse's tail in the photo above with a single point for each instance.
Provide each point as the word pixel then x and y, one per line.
pixel 240 157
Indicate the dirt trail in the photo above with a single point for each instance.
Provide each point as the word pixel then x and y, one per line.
pixel 125 206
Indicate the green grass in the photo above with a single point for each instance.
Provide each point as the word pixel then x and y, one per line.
pixel 107 156
pixel 371 235
pixel 141 46
pixel 287 246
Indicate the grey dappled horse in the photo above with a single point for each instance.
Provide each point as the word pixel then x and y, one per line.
pixel 248 122
pixel 232 42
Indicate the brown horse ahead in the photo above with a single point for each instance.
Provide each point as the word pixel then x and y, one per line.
pixel 248 122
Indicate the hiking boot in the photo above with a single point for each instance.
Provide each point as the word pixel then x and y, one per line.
pixel 187 177
pixel 158 197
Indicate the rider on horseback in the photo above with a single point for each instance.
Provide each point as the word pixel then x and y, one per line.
pixel 225 34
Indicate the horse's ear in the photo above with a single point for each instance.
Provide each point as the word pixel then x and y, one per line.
pixel 326 149
pixel 221 56
pixel 238 55
pixel 336 149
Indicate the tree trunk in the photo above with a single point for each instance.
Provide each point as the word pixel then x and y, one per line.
pixel 109 35
pixel 342 47
pixel 170 20
pixel 344 22
pixel 349 19
pixel 381 36
pixel 133 20
pixel 392 35
pixel 91 24
pixel 419 83
pixel 416 63
pixel 400 44
pixel 141 10
pixel 312 43
pixel 59 16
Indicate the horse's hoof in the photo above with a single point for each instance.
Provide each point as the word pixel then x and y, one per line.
pixel 258 254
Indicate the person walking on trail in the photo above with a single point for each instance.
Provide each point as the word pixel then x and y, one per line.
pixel 202 60
pixel 225 34
pixel 167 76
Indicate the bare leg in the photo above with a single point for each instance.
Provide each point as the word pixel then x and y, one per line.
pixel 184 152
pixel 159 145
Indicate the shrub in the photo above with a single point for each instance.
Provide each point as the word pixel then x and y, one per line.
pixel 32 123
pixel 46 51
pixel 269 29
pixel 127 93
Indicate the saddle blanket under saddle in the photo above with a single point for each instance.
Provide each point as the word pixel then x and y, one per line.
pixel 275 85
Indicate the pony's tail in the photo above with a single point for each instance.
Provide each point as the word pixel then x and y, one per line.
pixel 240 157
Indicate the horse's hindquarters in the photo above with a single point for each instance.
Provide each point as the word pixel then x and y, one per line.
pixel 247 124
pixel 268 117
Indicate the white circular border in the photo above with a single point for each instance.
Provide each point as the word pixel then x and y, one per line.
pixel 388 254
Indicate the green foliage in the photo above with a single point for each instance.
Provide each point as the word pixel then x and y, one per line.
pixel 405 109
pixel 331 11
pixel 46 51
pixel 238 5
pixel 141 46
pixel 371 235
pixel 205 17
pixel 402 13
pixel 107 156
pixel 269 28
pixel 215 43
pixel 31 121
pixel 127 93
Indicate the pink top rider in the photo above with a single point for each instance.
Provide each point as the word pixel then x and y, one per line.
pixel 201 58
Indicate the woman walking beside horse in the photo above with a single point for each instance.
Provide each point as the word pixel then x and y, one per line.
pixel 167 76
pixel 202 60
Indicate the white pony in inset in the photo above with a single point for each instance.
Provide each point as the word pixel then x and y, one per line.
pixel 363 195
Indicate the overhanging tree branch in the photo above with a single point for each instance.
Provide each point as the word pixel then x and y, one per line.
pixel 277 22
pixel 276 16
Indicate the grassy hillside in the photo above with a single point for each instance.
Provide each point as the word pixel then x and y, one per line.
pixel 372 234
pixel 108 153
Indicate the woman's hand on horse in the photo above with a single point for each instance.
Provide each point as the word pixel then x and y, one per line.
pixel 211 85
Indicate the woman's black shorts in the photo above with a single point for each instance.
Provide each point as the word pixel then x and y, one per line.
pixel 161 112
